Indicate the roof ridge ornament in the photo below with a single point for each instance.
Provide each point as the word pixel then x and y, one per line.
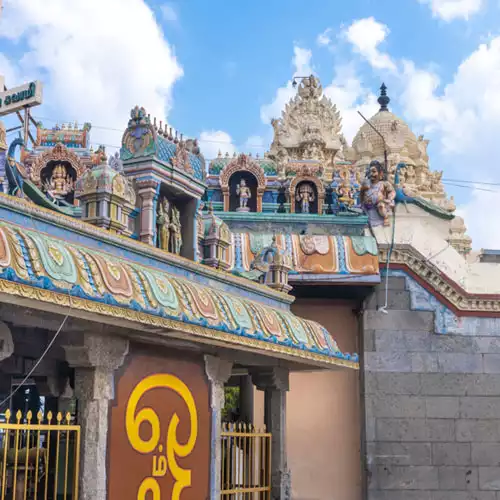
pixel 384 99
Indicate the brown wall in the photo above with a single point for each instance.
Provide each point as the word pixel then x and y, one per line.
pixel 323 416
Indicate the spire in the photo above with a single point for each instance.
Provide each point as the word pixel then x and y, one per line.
pixel 383 100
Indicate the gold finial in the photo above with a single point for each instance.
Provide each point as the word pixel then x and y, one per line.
pixel 49 417
pixel 8 414
pixel 59 417
pixel 19 415
pixel 29 416
pixel 68 417
pixel 39 416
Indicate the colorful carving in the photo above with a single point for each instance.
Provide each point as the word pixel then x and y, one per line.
pixel 377 196
pixel 163 224
pixel 305 196
pixel 60 183
pixel 33 264
pixel 244 194
pixel 308 254
pixel 175 231
pixel 140 136
pixel 59 154
pixel 306 179
pixel 242 163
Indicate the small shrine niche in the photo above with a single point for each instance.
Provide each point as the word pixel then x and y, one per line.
pixel 58 179
pixel 306 198
pixel 174 222
pixel 246 196
pixel 243 192
pixel 168 226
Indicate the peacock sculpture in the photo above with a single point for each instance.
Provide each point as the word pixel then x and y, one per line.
pixel 403 195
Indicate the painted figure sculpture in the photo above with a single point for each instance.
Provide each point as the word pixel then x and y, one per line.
pixel 377 195
pixel 163 223
pixel 244 194
pixel 305 196
pixel 175 232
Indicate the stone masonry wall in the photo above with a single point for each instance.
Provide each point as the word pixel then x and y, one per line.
pixel 432 405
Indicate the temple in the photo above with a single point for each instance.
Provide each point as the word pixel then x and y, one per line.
pixel 309 324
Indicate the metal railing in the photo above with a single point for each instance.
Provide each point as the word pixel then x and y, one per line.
pixel 39 461
pixel 246 463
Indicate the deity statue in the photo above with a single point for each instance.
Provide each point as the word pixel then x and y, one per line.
pixel 175 232
pixel 345 194
pixel 163 224
pixel 377 195
pixel 305 195
pixel 244 194
pixel 115 162
pixel 60 183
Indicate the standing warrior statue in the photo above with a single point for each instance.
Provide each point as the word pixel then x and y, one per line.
pixel 377 195
pixel 304 197
pixel 244 194
pixel 163 222
pixel 175 232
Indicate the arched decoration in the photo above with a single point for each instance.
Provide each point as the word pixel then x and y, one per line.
pixel 58 154
pixel 242 164
pixel 320 190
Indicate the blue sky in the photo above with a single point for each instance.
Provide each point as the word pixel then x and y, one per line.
pixel 219 70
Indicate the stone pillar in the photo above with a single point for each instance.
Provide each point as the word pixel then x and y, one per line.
pixel 218 372
pixel 246 398
pixel 274 383
pixel 95 362
pixel 148 193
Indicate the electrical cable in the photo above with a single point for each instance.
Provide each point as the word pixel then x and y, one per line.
pixel 50 344
pixel 35 366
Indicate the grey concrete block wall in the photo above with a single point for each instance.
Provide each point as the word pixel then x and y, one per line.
pixel 432 405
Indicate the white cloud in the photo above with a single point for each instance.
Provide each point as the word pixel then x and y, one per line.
pixel 449 10
pixel 255 144
pixel 169 13
pixel 466 113
pixel 366 35
pixel 324 38
pixel 213 141
pixel 94 66
pixel 302 61
pixel 481 228
pixel 464 116
pixel 302 64
pixel 348 94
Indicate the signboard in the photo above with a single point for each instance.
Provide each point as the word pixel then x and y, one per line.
pixel 18 98
pixel 159 434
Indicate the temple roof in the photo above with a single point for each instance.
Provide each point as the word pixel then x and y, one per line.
pixel 36 266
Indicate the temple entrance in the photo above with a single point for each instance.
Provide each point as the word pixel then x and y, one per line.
pixel 250 182
pixel 245 447
pixel 306 198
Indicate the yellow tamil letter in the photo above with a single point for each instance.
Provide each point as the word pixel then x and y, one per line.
pixel 174 448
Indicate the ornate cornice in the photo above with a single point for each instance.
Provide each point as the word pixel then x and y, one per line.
pixel 69 223
pixel 450 293
pixel 71 303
